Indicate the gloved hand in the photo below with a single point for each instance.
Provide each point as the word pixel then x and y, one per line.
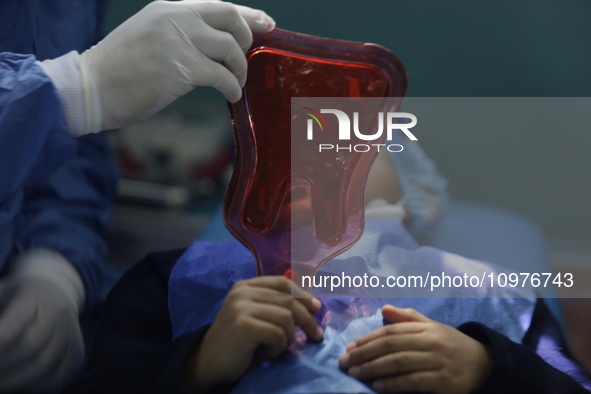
pixel 41 342
pixel 162 53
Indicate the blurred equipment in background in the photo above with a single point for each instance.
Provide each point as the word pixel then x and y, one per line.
pixel 174 168
pixel 190 149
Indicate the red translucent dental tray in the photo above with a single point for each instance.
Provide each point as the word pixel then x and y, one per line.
pixel 287 203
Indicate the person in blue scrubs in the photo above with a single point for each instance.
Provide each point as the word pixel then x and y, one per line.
pixel 56 177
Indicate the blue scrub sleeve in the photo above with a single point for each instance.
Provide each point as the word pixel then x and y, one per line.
pixel 34 136
pixel 68 211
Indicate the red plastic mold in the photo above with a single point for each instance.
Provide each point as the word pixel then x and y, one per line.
pixel 271 201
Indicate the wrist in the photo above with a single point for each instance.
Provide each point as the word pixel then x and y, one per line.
pixel 196 378
pixel 64 72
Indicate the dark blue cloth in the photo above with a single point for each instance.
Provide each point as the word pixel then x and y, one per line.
pixel 50 28
pixel 55 190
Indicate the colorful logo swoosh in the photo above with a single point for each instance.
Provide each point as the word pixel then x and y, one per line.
pixel 315 117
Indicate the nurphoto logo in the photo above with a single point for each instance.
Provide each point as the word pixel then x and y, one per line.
pixel 344 132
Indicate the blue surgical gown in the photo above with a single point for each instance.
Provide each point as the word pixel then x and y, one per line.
pixel 55 190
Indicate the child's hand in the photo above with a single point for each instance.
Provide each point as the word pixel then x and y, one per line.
pixel 415 353
pixel 259 311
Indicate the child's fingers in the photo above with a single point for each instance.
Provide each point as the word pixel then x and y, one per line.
pixel 279 283
pixel 266 333
pixel 277 315
pixel 387 330
pixel 312 303
pixel 392 364
pixel 278 290
pixel 381 347
pixel 271 296
pixel 284 285
pixel 300 314
pixel 305 321
pixel 423 381
pixel 393 314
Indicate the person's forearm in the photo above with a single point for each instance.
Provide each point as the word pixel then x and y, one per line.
pixel 155 373
pixel 133 350
pixel 517 368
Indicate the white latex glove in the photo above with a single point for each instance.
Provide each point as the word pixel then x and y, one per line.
pixel 162 53
pixel 41 342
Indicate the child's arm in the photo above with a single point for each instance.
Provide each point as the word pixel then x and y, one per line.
pixel 540 364
pixel 133 351
pixel 416 353
pixel 259 311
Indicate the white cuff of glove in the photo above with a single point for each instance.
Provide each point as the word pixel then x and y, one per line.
pixel 65 74
pixel 51 266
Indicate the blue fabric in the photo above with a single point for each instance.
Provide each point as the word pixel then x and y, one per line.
pixel 69 210
pixel 55 191
pixel 489 233
pixel 50 28
pixel 35 140
pixel 204 274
